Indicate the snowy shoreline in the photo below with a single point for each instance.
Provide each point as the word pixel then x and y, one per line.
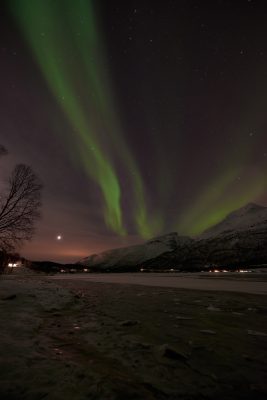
pixel 87 340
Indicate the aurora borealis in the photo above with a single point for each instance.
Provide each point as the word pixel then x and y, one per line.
pixel 141 118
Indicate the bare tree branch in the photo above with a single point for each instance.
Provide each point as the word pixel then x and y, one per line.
pixel 3 150
pixel 20 207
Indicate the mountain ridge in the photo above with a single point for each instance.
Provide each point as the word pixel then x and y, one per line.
pixel 238 239
pixel 244 218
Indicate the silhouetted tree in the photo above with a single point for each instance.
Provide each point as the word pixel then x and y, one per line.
pixel 3 150
pixel 19 206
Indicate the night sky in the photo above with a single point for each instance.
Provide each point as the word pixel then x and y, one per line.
pixel 140 117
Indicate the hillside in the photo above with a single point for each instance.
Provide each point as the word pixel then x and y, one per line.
pixel 240 239
pixel 133 256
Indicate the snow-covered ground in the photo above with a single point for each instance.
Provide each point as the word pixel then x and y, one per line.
pixel 230 282
pixel 77 339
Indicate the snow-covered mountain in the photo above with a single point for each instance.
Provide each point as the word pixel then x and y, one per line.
pixel 249 217
pixel 136 255
pixel 240 239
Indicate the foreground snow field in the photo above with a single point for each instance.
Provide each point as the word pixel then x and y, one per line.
pixel 78 339
pixel 248 283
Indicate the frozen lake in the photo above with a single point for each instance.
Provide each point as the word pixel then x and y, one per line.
pixel 230 282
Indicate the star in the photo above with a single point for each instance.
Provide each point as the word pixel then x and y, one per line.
pixel 131 113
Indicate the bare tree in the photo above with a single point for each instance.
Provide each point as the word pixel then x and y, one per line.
pixel 3 150
pixel 19 207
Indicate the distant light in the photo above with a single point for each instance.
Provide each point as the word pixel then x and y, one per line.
pixel 11 265
pixel 141 269
pixel 216 270
pixel 85 269
pixel 59 237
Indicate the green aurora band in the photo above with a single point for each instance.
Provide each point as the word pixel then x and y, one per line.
pixel 221 196
pixel 67 46
pixel 214 204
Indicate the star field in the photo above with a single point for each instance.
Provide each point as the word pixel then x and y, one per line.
pixel 141 118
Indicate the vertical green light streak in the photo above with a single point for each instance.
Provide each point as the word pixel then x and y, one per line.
pixel 65 42
pixel 101 84
pixel 42 30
